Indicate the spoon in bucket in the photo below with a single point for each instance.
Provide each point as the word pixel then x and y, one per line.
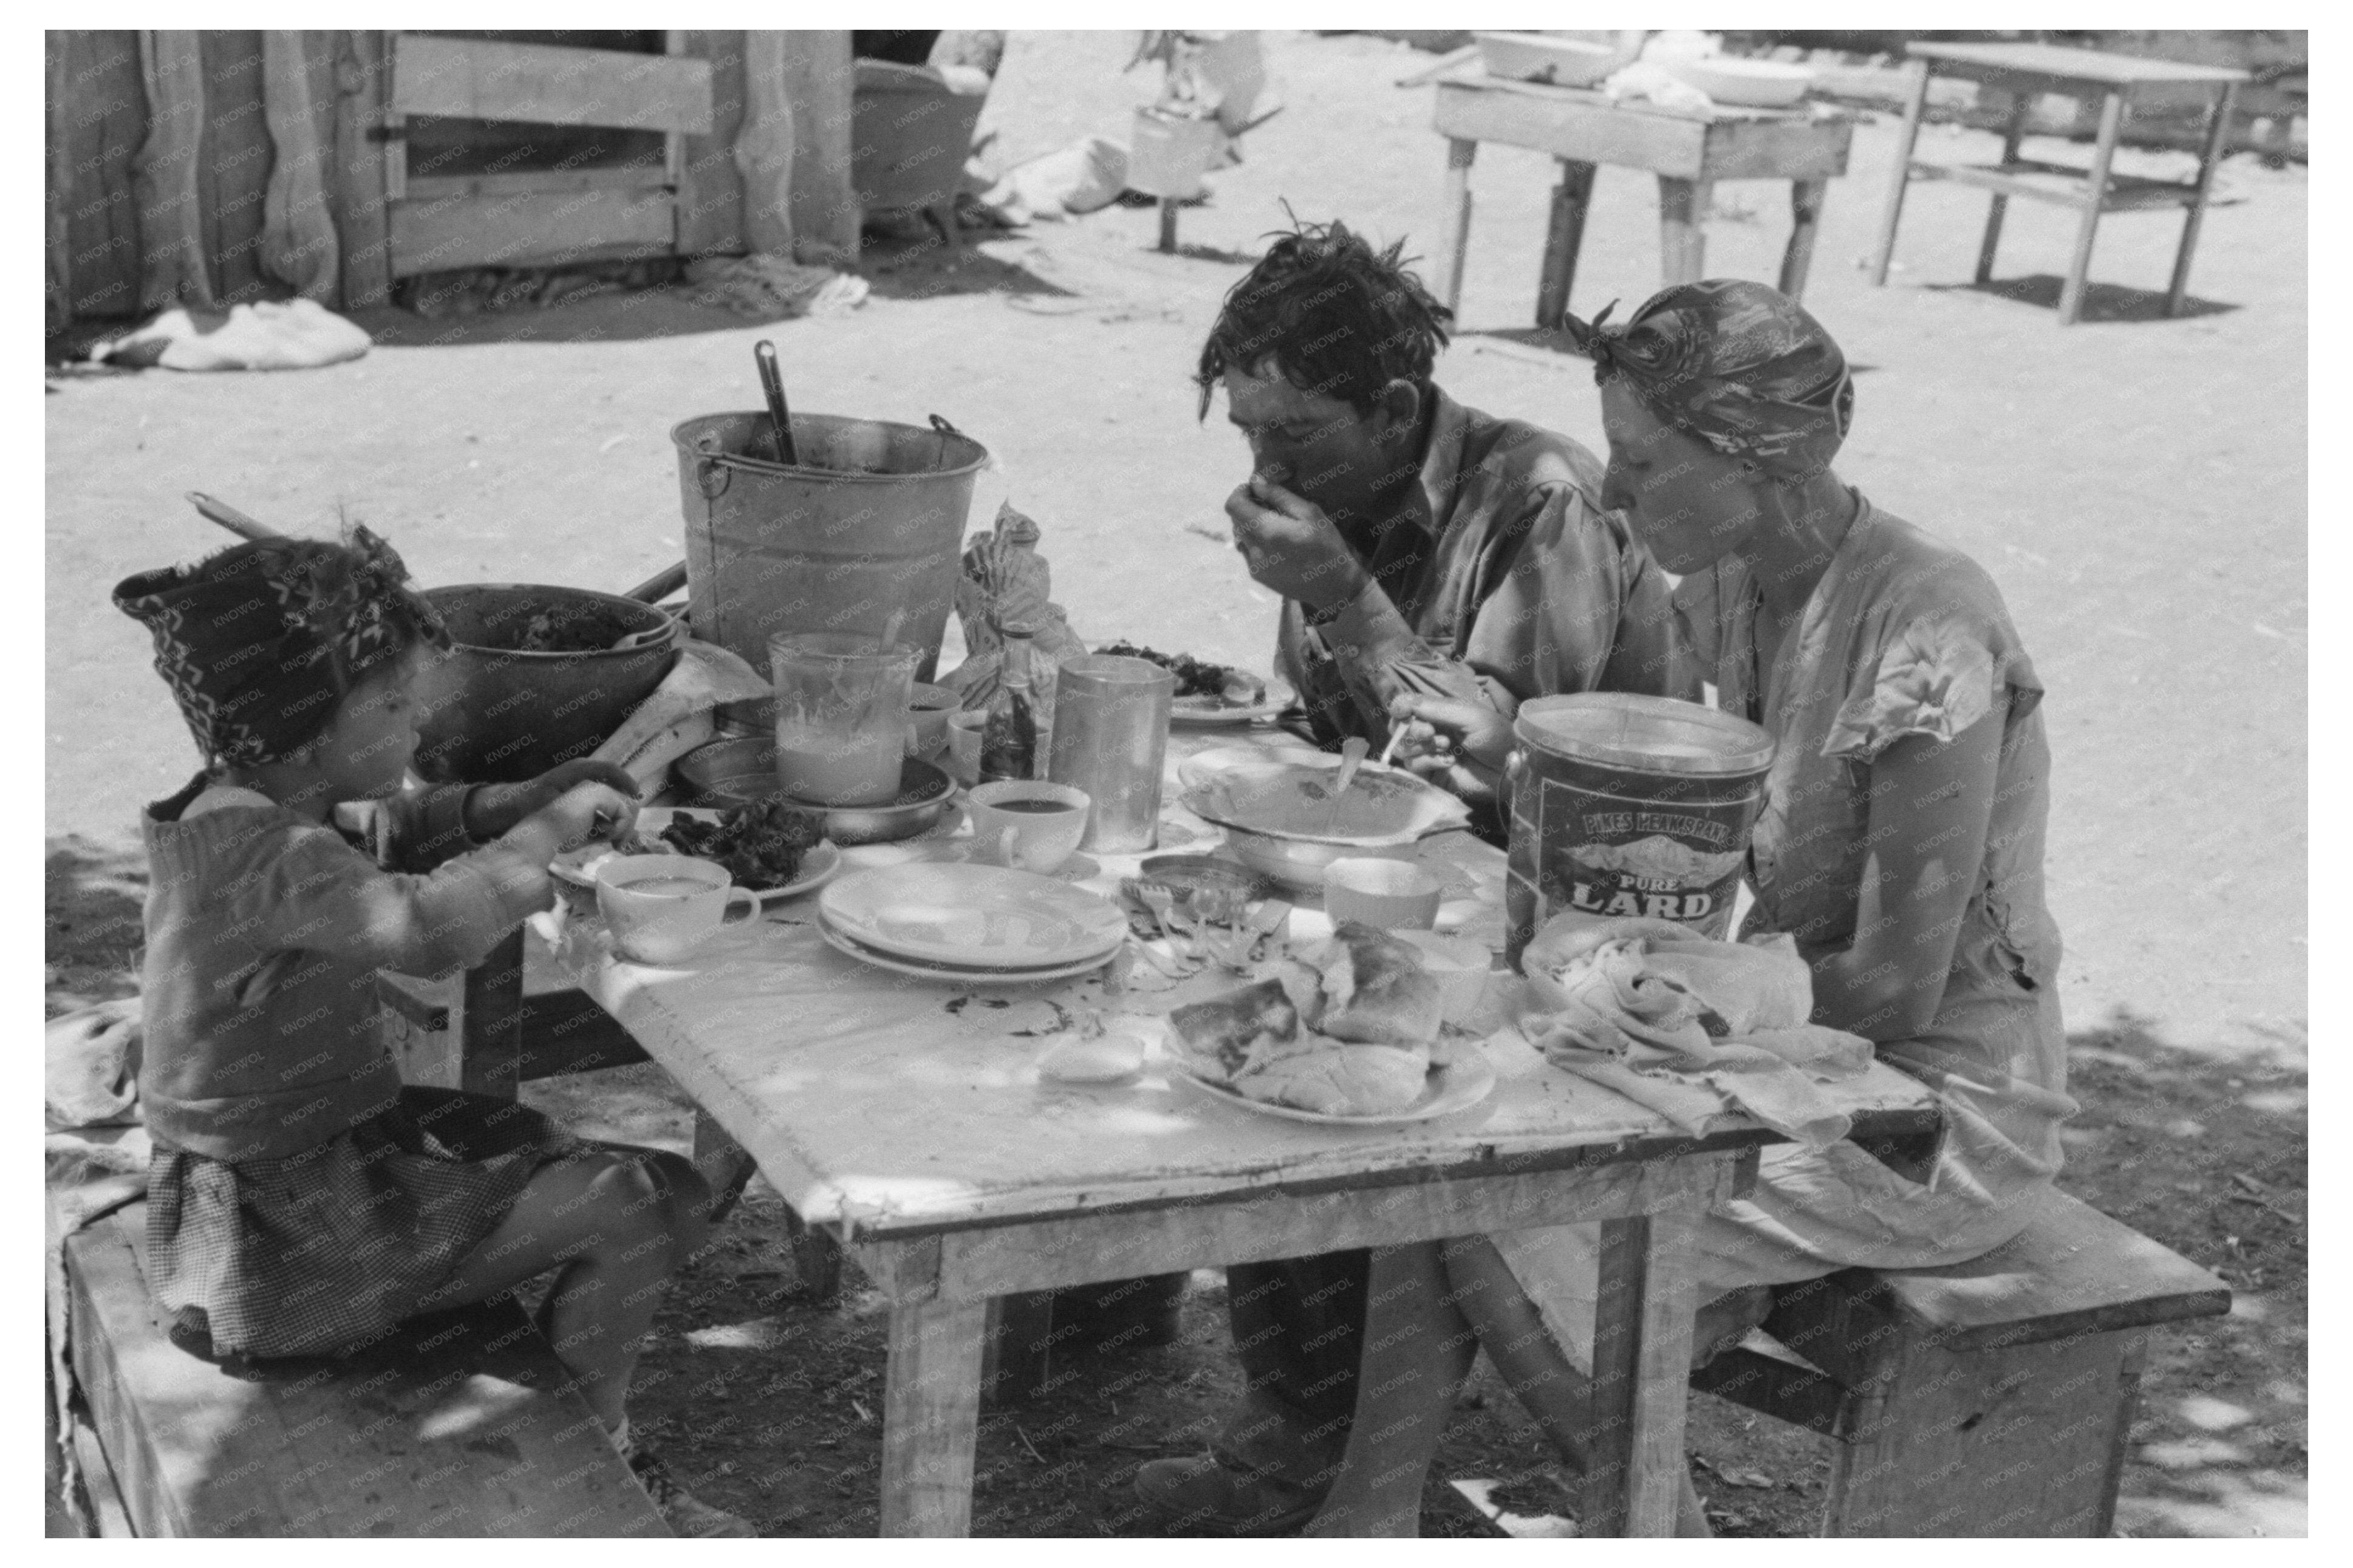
pixel 772 381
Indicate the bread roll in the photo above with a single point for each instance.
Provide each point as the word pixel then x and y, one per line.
pixel 1374 990
pixel 1339 1079
pixel 1217 1038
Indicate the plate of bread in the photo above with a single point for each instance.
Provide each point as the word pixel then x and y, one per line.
pixel 1343 1033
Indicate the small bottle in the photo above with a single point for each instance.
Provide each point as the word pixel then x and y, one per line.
pixel 1008 737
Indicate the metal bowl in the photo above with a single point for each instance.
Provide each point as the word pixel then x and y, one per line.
pixel 1298 863
pixel 737 772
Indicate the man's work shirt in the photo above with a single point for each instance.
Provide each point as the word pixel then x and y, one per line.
pixel 1500 579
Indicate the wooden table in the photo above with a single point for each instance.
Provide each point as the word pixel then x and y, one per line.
pixel 908 1118
pixel 1689 152
pixel 2026 71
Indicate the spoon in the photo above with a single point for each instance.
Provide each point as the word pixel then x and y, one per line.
pixel 772 381
pixel 1352 757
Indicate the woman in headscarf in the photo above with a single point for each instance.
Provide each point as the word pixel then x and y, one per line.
pixel 1900 844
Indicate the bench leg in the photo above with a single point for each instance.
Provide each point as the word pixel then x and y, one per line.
pixel 1454 238
pixel 2071 293
pixel 1995 209
pixel 1901 177
pixel 1563 237
pixel 1805 198
pixel 2179 289
pixel 1169 225
pixel 1683 230
pixel 2019 1442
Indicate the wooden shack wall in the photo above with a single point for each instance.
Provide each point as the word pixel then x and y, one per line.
pixel 214 223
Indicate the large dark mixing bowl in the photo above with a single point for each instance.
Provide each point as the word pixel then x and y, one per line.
pixel 494 713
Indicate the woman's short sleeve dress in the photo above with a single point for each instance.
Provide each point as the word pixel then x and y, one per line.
pixel 1904 635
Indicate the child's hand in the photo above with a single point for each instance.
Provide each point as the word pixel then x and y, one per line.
pixel 492 809
pixel 591 810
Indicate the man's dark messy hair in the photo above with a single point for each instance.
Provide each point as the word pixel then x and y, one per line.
pixel 1335 316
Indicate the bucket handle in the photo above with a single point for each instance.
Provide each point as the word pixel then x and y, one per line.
pixel 946 430
pixel 712 476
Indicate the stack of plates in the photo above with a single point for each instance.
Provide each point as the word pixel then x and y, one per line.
pixel 976 924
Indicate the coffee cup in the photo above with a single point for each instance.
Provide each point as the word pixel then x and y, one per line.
pixel 963 747
pixel 1394 894
pixel 929 709
pixel 661 908
pixel 1026 824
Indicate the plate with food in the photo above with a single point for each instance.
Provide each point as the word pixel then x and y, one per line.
pixel 1209 694
pixel 773 852
pixel 1346 1033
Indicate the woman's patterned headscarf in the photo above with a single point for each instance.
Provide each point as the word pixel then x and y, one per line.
pixel 1739 366
pixel 260 642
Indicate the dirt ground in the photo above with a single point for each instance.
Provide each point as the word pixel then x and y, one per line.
pixel 2134 484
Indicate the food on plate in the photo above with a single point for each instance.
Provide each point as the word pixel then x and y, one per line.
pixel 1198 679
pixel 1344 1030
pixel 761 843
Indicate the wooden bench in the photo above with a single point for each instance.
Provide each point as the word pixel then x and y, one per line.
pixel 1990 1398
pixel 453 1426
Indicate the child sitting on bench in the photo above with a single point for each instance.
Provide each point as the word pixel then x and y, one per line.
pixel 301 1200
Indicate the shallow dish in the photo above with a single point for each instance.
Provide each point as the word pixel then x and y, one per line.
pixel 744 768
pixel 1277 812
pixel 1452 1086
pixel 1748 84
pixel 944 912
pixel 578 866
pixel 1264 700
pixel 954 973
pixel 1533 56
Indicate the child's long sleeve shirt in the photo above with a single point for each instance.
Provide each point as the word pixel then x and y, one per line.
pixel 265 932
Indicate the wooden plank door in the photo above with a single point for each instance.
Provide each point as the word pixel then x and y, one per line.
pixel 497 217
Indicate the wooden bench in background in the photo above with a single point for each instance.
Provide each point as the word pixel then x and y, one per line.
pixel 1990 1398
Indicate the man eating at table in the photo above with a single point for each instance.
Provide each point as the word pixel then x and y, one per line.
pixel 1423 549
pixel 1434 561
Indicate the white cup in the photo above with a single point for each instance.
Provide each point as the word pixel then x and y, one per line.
pixel 1026 824
pixel 963 746
pixel 1394 894
pixel 661 907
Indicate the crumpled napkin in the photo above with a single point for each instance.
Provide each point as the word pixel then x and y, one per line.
pixel 677 717
pixel 1656 84
pixel 1628 1004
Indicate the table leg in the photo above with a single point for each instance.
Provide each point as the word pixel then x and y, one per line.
pixel 1806 197
pixel 1893 208
pixel 1563 238
pixel 2000 206
pixel 724 1167
pixel 1167 224
pixel 2104 153
pixel 2217 137
pixel 931 1413
pixel 1642 1364
pixel 1454 238
pixel 1683 230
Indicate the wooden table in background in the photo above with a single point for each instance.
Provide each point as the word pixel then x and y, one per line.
pixel 907 1119
pixel 2027 71
pixel 1689 152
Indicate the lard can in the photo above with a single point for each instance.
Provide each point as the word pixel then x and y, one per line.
pixel 1624 804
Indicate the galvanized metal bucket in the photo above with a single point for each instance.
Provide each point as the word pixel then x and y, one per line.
pixel 862 537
